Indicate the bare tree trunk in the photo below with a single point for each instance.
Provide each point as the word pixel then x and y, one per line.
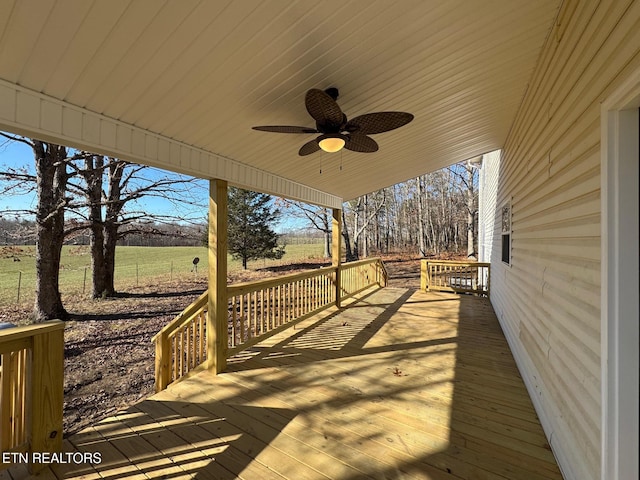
pixel 326 232
pixel 111 225
pixel 365 231
pixel 368 215
pixel 52 180
pixel 387 227
pixel 93 178
pixel 347 240
pixel 471 212
pixel 327 244
pixel 110 241
pixel 421 240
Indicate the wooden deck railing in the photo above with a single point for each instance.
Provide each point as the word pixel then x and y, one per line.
pixel 356 276
pixel 181 345
pixel 454 276
pixel 31 390
pixel 256 310
pixel 259 308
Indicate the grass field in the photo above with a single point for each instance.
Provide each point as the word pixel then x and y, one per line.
pixel 134 266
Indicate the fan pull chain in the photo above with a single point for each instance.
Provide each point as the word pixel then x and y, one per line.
pixel 341 152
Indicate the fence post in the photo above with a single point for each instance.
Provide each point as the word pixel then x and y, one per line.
pixel 19 283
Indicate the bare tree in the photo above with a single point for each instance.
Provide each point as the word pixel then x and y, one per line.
pixel 114 186
pixel 467 185
pixel 318 217
pixel 432 214
pixel 51 178
pixel 92 173
pixel 422 247
pixel 101 194
pixel 362 212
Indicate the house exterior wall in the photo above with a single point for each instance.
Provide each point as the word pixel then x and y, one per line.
pixel 548 297
pixel 488 191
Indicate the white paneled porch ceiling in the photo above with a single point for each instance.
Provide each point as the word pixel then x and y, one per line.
pixel 202 73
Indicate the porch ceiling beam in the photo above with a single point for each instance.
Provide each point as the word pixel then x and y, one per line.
pixel 32 114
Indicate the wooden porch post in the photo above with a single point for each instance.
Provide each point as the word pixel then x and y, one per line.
pixel 336 250
pixel 217 334
pixel 47 392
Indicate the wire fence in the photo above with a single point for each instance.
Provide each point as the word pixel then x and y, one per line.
pixel 75 277
pixel 19 287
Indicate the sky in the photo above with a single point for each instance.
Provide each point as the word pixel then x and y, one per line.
pixel 18 155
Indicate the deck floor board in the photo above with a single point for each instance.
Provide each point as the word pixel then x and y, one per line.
pixel 400 384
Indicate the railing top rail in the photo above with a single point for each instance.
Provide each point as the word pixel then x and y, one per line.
pixel 25 331
pixel 456 262
pixel 247 287
pixel 364 261
pixel 183 316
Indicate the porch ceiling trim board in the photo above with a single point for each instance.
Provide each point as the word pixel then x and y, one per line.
pixel 33 114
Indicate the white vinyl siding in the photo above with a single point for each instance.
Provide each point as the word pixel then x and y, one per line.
pixel 488 183
pixel 548 300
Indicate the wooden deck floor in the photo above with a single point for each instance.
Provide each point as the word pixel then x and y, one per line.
pixel 401 385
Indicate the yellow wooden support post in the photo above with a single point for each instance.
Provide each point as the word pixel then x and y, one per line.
pixel 47 392
pixel 423 275
pixel 336 251
pixel 217 334
pixel 163 358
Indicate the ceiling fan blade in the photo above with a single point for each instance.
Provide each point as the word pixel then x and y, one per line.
pixel 324 109
pixel 361 143
pixel 378 122
pixel 285 129
pixel 309 148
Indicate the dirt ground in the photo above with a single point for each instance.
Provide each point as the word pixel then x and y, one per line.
pixel 109 357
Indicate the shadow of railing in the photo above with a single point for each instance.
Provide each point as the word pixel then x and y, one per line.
pixel 169 439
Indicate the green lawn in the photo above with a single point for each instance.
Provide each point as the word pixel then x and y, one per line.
pixel 134 266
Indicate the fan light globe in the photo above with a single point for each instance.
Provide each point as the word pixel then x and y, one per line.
pixel 331 144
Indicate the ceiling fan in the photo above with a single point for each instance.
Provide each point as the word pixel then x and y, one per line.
pixel 336 131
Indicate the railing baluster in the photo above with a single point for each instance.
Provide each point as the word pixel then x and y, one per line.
pixel 188 347
pixel 175 358
pixel 263 312
pixel 202 322
pixel 181 347
pixel 294 299
pixel 287 302
pixel 241 318
pixel 256 332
